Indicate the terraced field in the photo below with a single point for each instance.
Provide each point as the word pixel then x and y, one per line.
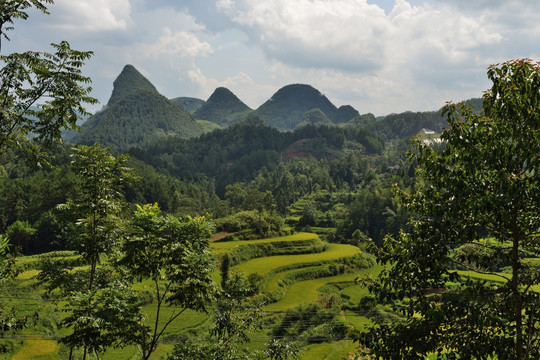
pixel 298 267
pixel 280 272
pixel 267 264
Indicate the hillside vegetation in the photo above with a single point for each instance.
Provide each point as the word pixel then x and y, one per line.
pixel 135 116
pixel 285 109
pixel 222 108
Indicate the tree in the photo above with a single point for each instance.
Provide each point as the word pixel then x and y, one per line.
pixel 41 93
pixel 477 209
pixel 102 318
pixel 21 233
pixel 10 320
pixel 7 261
pixel 281 349
pixel 97 208
pixel 175 255
pixel 99 201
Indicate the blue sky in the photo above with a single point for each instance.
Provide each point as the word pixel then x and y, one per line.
pixel 380 56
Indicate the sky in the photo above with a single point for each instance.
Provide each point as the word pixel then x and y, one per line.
pixel 380 56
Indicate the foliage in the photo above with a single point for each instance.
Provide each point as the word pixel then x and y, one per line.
pixel 26 79
pixel 189 104
pixel 483 183
pixel 98 202
pixel 251 224
pixel 9 319
pixel 129 81
pixel 373 213
pixel 314 117
pixel 41 93
pixel 345 113
pixel 407 124
pixel 102 318
pixel 31 194
pixel 7 260
pixel 235 317
pixel 280 349
pixel 20 233
pixel 174 255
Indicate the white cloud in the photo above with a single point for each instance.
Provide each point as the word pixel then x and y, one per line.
pixel 180 43
pixel 92 15
pixel 313 33
pixel 357 36
pixel 406 59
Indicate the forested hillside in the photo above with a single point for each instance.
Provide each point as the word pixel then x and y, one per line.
pixel 222 107
pixel 285 109
pixel 135 115
pixel 238 152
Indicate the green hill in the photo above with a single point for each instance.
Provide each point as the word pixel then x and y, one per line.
pixel 286 107
pixel 345 113
pixel 222 107
pixel 135 115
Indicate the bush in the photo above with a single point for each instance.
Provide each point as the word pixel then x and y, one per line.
pixel 251 224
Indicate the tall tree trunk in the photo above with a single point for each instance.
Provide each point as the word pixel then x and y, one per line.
pixel 518 301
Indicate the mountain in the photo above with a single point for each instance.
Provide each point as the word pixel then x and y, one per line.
pixel 345 113
pixel 136 115
pixel 189 104
pixel 286 107
pixel 222 107
pixel 128 81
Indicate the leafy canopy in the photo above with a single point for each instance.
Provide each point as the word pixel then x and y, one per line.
pixel 41 93
pixel 483 185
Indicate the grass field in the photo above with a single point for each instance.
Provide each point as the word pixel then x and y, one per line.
pixel 267 264
pixel 336 350
pixel 228 245
pixel 38 349
pixel 307 291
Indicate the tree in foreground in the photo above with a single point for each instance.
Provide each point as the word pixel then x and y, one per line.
pixel 102 309
pixel 41 93
pixel 465 278
pixel 175 256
